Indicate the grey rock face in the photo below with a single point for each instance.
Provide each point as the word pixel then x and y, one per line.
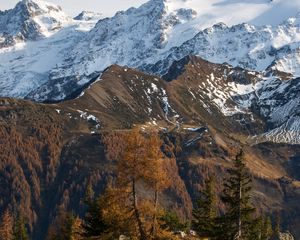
pixel 23 23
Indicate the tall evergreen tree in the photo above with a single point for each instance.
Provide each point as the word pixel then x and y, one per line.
pixel 67 227
pixel 171 221
pixel 277 228
pixel 205 213
pixel 261 229
pixel 239 221
pixel 94 224
pixel 6 226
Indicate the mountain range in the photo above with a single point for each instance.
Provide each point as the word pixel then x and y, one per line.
pixel 53 152
pixel 211 81
pixel 45 52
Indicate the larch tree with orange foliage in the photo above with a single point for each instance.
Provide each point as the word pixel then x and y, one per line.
pixel 139 165
pixel 6 226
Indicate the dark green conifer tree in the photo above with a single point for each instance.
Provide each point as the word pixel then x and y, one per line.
pixel 238 222
pixel 94 224
pixel 170 221
pixel 277 227
pixel 205 213
pixel 67 227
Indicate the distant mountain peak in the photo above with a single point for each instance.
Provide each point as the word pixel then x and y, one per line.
pixel 39 6
pixel 30 20
pixel 88 16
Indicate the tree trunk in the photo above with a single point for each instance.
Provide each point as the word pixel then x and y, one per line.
pixel 239 235
pixel 153 229
pixel 137 213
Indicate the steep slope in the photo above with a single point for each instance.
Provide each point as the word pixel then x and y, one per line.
pixel 199 92
pixel 150 38
pixel 195 91
pixel 143 38
pixel 266 107
pixel 40 35
pixel 244 45
pixel 52 152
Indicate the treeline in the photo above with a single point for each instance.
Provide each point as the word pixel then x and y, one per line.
pixel 130 209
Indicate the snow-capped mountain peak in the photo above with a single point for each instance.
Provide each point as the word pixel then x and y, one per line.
pixel 30 20
pixel 88 16
pixel 149 38
pixel 38 7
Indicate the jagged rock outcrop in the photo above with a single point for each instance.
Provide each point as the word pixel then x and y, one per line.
pixel 29 20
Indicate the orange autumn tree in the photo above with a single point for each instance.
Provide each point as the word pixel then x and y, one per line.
pixel 6 226
pixel 140 168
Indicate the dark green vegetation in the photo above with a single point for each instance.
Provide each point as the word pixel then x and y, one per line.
pixel 240 220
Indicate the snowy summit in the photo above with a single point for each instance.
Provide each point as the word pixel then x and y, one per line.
pixel 47 55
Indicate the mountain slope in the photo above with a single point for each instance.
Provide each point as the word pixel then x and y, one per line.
pixel 266 107
pixel 263 108
pixel 244 45
pixel 88 16
pixel 150 38
pixel 52 152
pixel 42 36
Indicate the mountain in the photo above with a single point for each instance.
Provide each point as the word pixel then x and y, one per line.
pixel 88 16
pixel 211 82
pixel 150 38
pixel 246 96
pixel 30 20
pixel 255 48
pixel 250 98
pixel 25 64
pixel 54 151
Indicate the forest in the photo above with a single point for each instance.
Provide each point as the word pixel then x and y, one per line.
pixel 129 207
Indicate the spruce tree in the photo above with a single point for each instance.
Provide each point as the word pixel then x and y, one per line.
pixel 261 229
pixel 238 220
pixel 277 228
pixel 72 228
pixel 94 224
pixel 170 221
pixel 277 223
pixel 205 213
